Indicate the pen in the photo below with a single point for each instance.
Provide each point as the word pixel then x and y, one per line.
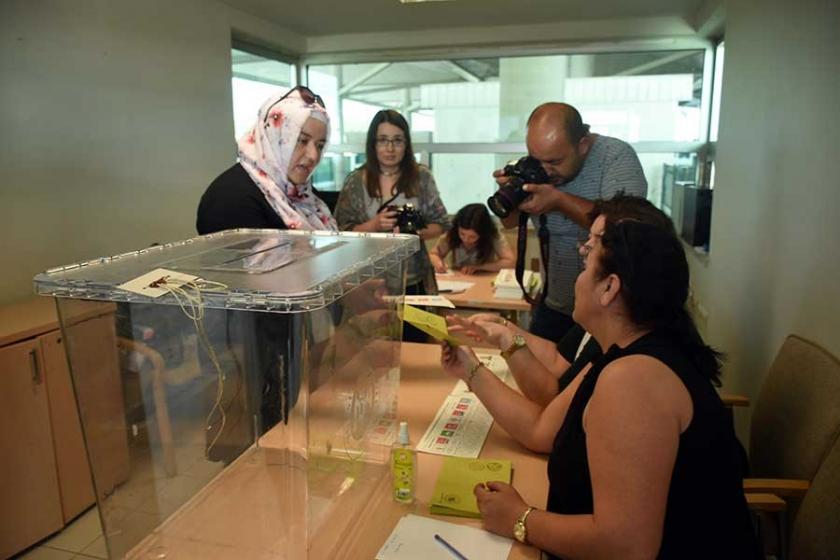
pixel 450 548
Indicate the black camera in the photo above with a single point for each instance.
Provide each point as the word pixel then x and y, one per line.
pixel 409 219
pixel 526 170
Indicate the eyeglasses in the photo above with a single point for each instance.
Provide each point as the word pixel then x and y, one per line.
pixel 396 142
pixel 584 247
pixel 307 95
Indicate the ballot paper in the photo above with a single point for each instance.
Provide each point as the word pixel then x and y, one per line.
pixel 459 429
pixel 462 422
pixel 414 539
pixel 429 323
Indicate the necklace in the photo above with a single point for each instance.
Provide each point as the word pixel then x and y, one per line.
pixel 389 173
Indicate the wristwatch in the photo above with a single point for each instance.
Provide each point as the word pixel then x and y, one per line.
pixel 517 344
pixel 519 530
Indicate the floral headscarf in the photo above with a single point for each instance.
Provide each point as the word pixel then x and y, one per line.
pixel 265 152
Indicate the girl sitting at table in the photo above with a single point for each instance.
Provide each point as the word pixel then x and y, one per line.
pixel 475 243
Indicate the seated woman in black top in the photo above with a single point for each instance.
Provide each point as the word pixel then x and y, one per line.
pixel 646 463
pixel 270 187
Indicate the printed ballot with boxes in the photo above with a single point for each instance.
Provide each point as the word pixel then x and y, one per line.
pixel 255 377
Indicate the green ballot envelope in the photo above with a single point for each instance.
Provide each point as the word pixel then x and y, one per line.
pixel 453 493
pixel 429 323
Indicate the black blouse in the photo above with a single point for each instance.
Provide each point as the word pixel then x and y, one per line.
pixel 706 515
pixel 232 201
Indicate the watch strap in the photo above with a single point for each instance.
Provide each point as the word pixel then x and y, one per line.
pixel 519 529
pixel 517 343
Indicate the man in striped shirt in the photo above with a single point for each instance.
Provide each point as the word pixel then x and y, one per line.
pixel 582 166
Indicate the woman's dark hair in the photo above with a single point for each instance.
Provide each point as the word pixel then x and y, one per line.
pixel 623 207
pixel 477 218
pixel 650 261
pixel 409 171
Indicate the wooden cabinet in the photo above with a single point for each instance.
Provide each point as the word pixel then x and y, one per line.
pixel 30 507
pixel 70 455
pixel 45 477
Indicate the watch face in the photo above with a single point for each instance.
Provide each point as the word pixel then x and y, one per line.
pixel 519 340
pixel 519 531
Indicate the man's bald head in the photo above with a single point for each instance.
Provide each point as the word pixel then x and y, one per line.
pixel 560 141
pixel 559 117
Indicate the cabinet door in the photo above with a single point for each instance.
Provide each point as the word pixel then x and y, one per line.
pixel 30 508
pixel 96 377
pixel 70 455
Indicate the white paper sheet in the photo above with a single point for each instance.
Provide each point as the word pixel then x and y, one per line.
pixel 414 539
pixel 462 423
pixel 453 286
pixel 459 429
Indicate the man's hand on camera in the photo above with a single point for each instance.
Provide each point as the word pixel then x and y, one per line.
pixel 500 177
pixel 543 199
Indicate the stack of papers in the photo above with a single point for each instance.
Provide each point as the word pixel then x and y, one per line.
pixel 414 539
pixel 506 287
pixel 453 493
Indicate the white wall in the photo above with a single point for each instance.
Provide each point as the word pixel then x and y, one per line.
pixel 775 259
pixel 114 117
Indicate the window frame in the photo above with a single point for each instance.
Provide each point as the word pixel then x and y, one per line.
pixel 425 149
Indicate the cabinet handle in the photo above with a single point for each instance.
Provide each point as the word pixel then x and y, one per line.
pixel 35 367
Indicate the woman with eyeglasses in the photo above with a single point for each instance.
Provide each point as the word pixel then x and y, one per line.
pixel 643 458
pixel 374 195
pixel 270 186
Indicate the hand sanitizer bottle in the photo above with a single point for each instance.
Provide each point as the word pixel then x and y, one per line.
pixel 403 467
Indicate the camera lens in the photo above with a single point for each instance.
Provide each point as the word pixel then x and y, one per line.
pixel 500 204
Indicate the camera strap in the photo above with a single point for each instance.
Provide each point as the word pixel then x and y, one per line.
pixel 387 202
pixel 521 247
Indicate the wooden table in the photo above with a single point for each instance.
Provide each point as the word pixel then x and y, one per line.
pixel 481 295
pixel 242 504
pixel 423 388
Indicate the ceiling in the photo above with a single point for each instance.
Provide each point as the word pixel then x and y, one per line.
pixel 335 17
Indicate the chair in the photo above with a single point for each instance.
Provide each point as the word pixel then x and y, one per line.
pixel 159 397
pixel 817 523
pixel 796 420
pixel 795 424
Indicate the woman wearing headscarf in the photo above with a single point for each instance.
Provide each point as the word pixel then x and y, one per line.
pixel 270 186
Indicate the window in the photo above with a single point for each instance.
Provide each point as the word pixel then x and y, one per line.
pixel 257 74
pixel 717 83
pixel 468 116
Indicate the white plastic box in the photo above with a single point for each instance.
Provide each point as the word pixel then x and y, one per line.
pixel 258 402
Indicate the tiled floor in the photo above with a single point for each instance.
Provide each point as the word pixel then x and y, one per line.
pixel 82 539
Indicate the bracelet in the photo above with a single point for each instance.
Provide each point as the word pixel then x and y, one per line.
pixel 470 374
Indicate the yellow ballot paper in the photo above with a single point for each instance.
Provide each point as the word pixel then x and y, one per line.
pixel 429 323
pixel 453 493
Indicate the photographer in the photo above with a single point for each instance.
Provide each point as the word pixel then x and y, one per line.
pixel 581 166
pixel 392 193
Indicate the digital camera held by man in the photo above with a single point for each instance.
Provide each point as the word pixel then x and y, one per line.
pixel 526 170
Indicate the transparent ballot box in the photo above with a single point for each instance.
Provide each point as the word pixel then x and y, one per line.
pixel 238 390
